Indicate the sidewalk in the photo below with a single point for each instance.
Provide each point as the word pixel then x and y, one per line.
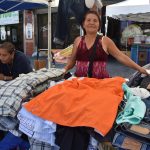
pixel 114 68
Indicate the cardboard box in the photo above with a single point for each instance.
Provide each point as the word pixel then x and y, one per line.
pixel 142 56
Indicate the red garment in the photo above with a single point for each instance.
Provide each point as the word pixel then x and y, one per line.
pixel 99 64
pixel 80 102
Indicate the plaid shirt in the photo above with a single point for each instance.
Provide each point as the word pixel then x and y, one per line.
pixel 13 93
pixel 37 145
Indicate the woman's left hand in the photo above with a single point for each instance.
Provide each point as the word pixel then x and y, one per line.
pixel 148 71
pixel 144 71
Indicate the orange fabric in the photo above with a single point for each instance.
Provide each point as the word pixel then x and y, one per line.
pixel 80 102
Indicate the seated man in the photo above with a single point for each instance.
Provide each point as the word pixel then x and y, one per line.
pixel 12 62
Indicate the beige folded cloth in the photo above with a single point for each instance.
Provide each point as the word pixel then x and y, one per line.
pixel 63 55
pixel 140 129
pixel 131 144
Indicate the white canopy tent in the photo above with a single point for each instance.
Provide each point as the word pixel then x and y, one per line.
pixel 134 10
pixel 129 10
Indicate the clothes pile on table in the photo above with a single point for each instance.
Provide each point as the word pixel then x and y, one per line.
pixel 133 120
pixel 16 92
pixel 75 114
pixel 67 115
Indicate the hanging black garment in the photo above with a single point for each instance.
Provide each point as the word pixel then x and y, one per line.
pixel 72 138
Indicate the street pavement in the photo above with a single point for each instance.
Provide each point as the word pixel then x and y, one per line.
pixel 114 68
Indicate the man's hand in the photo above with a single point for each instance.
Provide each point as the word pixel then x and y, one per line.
pixel 1 76
pixel 5 78
pixel 8 78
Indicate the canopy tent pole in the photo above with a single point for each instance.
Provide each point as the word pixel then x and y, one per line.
pixel 106 26
pixel 127 40
pixel 49 34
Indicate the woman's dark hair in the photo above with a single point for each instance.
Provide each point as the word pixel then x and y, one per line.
pixel 87 13
pixel 8 46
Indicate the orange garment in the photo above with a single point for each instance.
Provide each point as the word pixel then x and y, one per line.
pixel 80 102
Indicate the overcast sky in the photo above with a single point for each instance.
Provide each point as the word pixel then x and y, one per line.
pixel 133 2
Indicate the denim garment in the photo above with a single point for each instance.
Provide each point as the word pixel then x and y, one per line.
pixel 147 114
pixel 123 129
pixel 93 144
pixel 145 82
pixel 36 127
pixel 8 123
pixel 142 130
pixel 125 142
pixel 136 78
pixel 66 9
pixel 38 145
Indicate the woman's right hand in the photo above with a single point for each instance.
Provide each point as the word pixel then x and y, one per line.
pixel 66 74
pixel 64 71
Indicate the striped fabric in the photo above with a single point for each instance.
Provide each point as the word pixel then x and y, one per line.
pixel 38 145
pixel 14 92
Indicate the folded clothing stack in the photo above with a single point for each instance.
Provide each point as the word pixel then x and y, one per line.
pixel 63 55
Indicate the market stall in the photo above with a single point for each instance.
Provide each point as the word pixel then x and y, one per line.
pixel 12 5
pixel 130 10
pixel 136 17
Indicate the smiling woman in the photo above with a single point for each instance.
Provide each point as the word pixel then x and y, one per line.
pixel 93 48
